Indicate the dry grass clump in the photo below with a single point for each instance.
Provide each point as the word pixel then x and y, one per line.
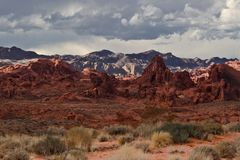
pixel 129 153
pixel 143 146
pixel 103 137
pixel 204 152
pixel 237 146
pixel 213 128
pixel 125 139
pixel 17 154
pixel 232 127
pixel 15 142
pixel 161 139
pixel 79 137
pixel 49 146
pixel 226 149
pixel 147 130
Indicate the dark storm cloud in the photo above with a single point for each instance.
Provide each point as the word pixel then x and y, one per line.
pixel 135 19
pixel 185 27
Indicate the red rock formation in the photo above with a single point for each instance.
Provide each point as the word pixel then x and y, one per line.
pixel 156 73
pixel 55 80
pixel 182 80
pixel 234 64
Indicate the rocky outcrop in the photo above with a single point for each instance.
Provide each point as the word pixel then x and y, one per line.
pixel 182 80
pixel 38 78
pixel 156 73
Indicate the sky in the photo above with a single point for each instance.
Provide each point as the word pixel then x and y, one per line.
pixel 187 28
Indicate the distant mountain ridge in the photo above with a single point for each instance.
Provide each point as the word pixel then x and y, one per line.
pixel 119 64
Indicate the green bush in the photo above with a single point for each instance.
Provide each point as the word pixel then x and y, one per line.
pixel 49 146
pixel 204 153
pixel 179 132
pixel 17 154
pixel 125 139
pixel 226 149
pixel 195 131
pixel 79 137
pixel 213 128
pixel 117 130
pixel 161 139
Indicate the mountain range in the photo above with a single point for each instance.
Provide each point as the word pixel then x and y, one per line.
pixel 118 64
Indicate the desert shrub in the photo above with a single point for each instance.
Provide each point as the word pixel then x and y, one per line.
pixel 94 133
pixel 125 139
pixel 17 154
pixel 10 144
pixel 204 152
pixel 179 132
pixel 117 130
pixel 49 146
pixel 161 139
pixel 195 131
pixel 232 127
pixel 129 153
pixel 143 146
pixel 103 137
pixel 226 149
pixel 213 128
pixel 147 130
pixel 79 137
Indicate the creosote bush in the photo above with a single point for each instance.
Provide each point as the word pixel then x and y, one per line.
pixel 226 149
pixel 161 139
pixel 204 153
pixel 49 146
pixel 118 130
pixel 79 137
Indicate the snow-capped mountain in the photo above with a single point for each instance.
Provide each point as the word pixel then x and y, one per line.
pixel 119 64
